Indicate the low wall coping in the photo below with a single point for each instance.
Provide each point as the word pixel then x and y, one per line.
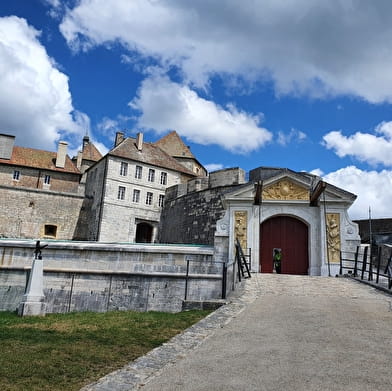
pixel 101 246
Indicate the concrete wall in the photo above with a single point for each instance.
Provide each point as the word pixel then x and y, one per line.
pixel 99 277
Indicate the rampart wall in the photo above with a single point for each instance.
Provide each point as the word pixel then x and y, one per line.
pixel 81 276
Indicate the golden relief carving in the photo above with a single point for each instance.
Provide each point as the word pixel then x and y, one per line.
pixel 285 190
pixel 333 237
pixel 240 227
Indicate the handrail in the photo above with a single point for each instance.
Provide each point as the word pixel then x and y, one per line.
pixel 354 261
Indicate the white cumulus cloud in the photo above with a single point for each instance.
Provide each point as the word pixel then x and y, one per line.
pixel 293 135
pixel 366 147
pixel 373 189
pixel 167 105
pixel 317 48
pixel 35 101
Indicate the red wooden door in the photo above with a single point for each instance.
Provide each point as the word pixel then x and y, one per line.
pixel 291 236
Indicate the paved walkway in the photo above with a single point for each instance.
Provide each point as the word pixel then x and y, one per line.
pixel 284 333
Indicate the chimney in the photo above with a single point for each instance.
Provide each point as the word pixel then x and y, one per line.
pixel 61 154
pixel 6 146
pixel 79 160
pixel 119 138
pixel 139 141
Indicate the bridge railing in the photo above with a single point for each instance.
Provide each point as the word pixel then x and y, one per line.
pixel 364 265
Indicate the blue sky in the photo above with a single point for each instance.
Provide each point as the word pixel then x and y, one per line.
pixel 297 84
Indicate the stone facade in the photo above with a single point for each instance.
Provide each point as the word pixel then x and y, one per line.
pixel 126 190
pixel 191 210
pixel 31 213
pixel 90 198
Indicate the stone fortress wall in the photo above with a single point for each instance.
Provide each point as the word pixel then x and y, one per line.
pixel 191 210
pixel 80 276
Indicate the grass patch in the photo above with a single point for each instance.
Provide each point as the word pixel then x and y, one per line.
pixel 68 351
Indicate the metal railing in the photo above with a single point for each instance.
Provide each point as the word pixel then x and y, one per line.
pixel 364 266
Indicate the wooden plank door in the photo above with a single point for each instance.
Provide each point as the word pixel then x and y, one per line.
pixel 291 236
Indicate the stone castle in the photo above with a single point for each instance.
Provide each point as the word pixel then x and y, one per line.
pixel 142 192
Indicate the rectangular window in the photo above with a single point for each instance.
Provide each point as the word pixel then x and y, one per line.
pixel 149 198
pixel 121 193
pixel 47 180
pixel 151 175
pixel 163 178
pixel 136 195
pixel 16 175
pixel 50 230
pixel 161 200
pixel 123 169
pixel 138 172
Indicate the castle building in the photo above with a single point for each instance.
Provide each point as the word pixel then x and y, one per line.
pixel 158 192
pixel 40 191
pixel 126 189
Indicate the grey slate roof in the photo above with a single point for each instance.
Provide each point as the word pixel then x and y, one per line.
pixel 150 154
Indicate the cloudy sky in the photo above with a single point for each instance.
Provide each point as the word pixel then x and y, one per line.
pixel 297 83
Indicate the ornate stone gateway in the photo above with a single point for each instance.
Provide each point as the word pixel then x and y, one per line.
pixel 291 236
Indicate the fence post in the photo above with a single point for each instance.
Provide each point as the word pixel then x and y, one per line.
pixel 186 279
pixel 364 260
pixel 356 261
pixel 370 272
pixel 378 263
pixel 224 280
pixel 341 264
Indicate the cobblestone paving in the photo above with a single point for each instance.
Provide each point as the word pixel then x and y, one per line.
pixel 134 375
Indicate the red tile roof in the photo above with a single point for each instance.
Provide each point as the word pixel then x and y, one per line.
pixel 173 145
pixel 90 152
pixel 35 158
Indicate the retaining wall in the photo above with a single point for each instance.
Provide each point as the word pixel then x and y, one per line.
pixel 81 276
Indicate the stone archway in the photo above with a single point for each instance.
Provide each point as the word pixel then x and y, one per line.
pixel 291 236
pixel 144 233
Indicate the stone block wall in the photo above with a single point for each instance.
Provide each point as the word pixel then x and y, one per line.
pixel 191 218
pixel 34 179
pixel 95 277
pixel 25 212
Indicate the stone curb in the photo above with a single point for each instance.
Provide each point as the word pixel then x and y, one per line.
pixel 135 374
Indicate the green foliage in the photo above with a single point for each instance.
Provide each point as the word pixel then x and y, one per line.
pixel 67 351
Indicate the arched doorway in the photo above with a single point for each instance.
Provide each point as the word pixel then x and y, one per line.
pixel 291 236
pixel 143 233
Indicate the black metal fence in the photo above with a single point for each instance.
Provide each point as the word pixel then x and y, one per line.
pixel 368 264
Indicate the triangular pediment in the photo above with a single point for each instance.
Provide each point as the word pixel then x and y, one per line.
pixel 285 189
